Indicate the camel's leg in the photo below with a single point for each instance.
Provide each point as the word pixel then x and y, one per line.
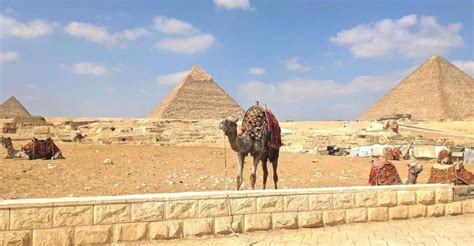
pixel 275 175
pixel 265 171
pixel 253 175
pixel 240 169
pixel 58 155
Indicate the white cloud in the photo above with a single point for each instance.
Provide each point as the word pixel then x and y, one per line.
pixel 171 26
pixel 170 79
pixel 8 56
pixel 31 87
pixel 410 36
pixel 466 66
pixel 89 68
pixel 187 45
pixel 101 35
pixel 293 65
pixel 256 71
pixel 35 28
pixel 233 4
pixel 110 90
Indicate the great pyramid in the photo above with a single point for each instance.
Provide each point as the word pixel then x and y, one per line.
pixel 197 96
pixel 436 90
pixel 12 108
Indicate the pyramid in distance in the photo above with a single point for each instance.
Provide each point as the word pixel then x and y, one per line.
pixel 436 90
pixel 197 96
pixel 12 108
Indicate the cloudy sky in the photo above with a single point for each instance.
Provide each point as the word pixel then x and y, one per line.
pixel 305 59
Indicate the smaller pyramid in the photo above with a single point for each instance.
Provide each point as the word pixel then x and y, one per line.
pixel 12 108
pixel 197 96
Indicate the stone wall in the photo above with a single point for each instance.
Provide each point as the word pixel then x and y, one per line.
pixel 154 217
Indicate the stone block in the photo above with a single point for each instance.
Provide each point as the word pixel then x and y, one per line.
pixel 417 211
pixel 334 217
pixel 426 197
pixel 257 222
pixel 366 199
pixel 111 213
pixel 444 195
pixel 131 232
pixel 170 229
pixel 31 218
pixel 387 198
pixel 356 215
pixel 454 208
pixel 296 203
pixel 148 211
pixel 468 206
pixel 4 219
pixel 72 216
pixel 320 202
pixel 181 209
pixel 270 204
pixel 198 227
pixel 93 235
pixel 310 219
pixel 406 197
pixel 55 236
pixel 435 210
pixel 19 238
pixel 222 224
pixel 377 214
pixel 243 205
pixel 398 213
pixel 285 220
pixel 343 200
pixel 213 207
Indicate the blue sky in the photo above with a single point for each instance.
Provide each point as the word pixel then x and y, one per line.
pixel 306 59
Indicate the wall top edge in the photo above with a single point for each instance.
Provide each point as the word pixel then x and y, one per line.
pixel 92 200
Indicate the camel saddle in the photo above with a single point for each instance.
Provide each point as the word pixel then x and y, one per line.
pixel 255 120
pixel 41 149
pixel 383 173
pixel 451 174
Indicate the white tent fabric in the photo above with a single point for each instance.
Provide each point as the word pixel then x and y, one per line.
pixel 424 152
pixel 365 151
pixel 468 155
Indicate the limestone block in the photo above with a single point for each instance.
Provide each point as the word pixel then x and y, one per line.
pixel 366 199
pixel 270 204
pixel 377 214
pixel 356 215
pixel 435 210
pixel 334 217
pixel 72 216
pixel 426 197
pixel 90 235
pixel 170 229
pixel 285 220
pixel 454 208
pixel 20 238
pixel 213 208
pixel 296 203
pixel 130 232
pixel 181 209
pixel 29 218
pixel 257 222
pixel 343 200
pixel 243 205
pixel 56 236
pixel 388 198
pixel 198 227
pixel 320 202
pixel 398 213
pixel 222 224
pixel 406 197
pixel 111 213
pixel 444 195
pixel 310 219
pixel 148 211
pixel 417 211
pixel 4 219
pixel 468 206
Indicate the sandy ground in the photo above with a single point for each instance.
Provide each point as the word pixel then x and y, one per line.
pixel 155 169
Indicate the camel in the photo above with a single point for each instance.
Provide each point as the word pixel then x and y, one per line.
pixel 414 170
pixel 385 173
pixel 42 149
pixel 11 152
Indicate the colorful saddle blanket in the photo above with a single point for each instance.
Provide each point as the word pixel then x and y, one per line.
pixel 383 174
pixel 451 174
pixel 254 122
pixel 41 149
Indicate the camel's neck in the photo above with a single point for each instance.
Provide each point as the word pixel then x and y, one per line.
pixel 233 139
pixel 10 148
pixel 412 177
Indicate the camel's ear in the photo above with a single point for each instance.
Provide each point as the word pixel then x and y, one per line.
pixel 232 119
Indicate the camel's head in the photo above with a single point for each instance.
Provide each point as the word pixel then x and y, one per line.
pixel 229 124
pixel 415 168
pixel 6 141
